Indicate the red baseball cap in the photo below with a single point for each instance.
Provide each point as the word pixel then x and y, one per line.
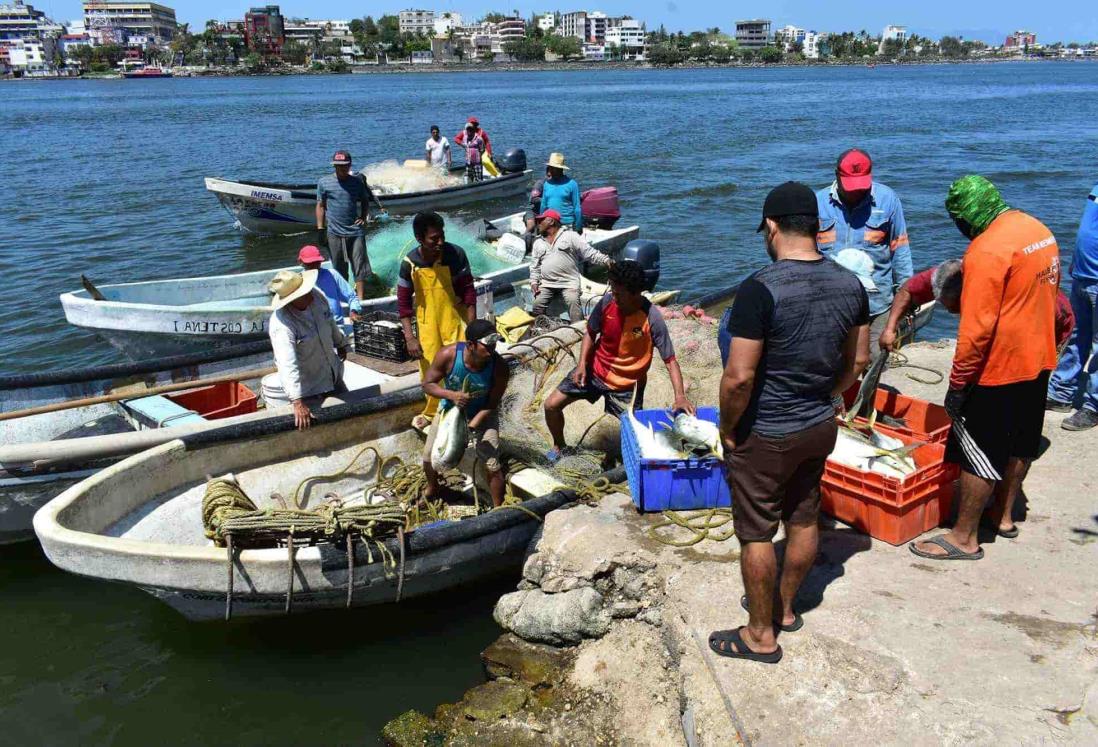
pixel 341 158
pixel 474 120
pixel 550 214
pixel 309 254
pixel 855 170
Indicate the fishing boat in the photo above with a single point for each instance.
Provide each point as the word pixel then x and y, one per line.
pixel 278 208
pixel 141 521
pixel 148 72
pixel 165 317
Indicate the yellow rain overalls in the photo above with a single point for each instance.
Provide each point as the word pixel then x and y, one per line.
pixel 438 317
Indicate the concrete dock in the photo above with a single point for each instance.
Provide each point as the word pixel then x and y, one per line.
pixel 895 649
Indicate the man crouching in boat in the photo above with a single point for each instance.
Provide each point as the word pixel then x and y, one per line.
pixel 470 375
pixel 309 347
pixel 623 330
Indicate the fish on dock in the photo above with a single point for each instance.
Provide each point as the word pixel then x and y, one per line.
pixel 872 451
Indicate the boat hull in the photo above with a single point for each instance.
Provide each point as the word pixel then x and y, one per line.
pixel 21 497
pixel 287 209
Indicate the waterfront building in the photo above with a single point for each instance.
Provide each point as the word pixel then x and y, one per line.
pixel 628 36
pixel 417 21
pixel 31 56
pixel 574 24
pixel 753 34
pixel 547 22
pixel 597 23
pixel 594 52
pixel 265 30
pixel 447 22
pixel 1020 40
pixel 892 33
pixel 787 36
pixel 510 29
pixel 422 57
pixel 21 21
pixel 117 21
pixel 815 45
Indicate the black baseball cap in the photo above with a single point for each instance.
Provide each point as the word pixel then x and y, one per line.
pixel 791 198
pixel 482 331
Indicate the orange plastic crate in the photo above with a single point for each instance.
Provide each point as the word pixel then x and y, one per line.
pixel 216 401
pixel 925 421
pixel 886 508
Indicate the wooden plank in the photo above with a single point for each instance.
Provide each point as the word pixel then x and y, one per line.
pixel 389 368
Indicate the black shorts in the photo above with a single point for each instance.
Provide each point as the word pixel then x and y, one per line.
pixel 615 402
pixel 999 423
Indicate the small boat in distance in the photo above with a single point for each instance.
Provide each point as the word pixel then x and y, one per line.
pixel 148 72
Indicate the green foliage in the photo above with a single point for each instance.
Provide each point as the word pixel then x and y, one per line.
pixel 770 55
pixel 721 53
pixel 527 49
pixel 294 52
pixel 702 51
pixel 253 61
pixel 565 47
pixel 665 54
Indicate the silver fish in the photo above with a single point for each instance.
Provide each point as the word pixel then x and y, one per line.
pixel 865 404
pixel 451 439
pixel 873 451
pixel 699 437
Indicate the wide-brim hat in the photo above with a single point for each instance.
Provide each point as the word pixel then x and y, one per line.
pixel 556 160
pixel 288 286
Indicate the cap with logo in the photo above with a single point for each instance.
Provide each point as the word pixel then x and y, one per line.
pixel 854 170
pixel 482 331
pixel 341 158
pixel 791 198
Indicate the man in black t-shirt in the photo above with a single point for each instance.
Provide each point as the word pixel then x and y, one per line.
pixel 800 335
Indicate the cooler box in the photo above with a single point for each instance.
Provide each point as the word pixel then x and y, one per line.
pixel 672 484
pixel 923 421
pixel 887 508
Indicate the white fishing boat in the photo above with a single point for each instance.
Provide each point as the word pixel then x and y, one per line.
pixel 272 208
pixel 164 317
pixel 141 521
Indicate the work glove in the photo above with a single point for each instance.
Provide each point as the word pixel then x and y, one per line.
pixel 955 402
pixel 321 238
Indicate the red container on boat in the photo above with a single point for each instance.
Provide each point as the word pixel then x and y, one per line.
pixel 216 401
pixel 887 508
pixel 600 207
pixel 923 421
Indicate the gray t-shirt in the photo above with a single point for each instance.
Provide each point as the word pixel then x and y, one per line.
pixel 803 312
pixel 342 198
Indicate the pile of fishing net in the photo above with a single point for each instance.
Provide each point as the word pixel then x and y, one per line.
pixel 391 177
pixel 388 247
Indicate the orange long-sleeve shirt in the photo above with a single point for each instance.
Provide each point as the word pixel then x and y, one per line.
pixel 1008 304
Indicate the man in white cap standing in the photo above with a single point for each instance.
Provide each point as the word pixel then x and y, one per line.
pixel 342 209
pixel 309 348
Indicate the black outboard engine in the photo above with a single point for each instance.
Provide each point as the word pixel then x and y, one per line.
pixel 512 162
pixel 646 253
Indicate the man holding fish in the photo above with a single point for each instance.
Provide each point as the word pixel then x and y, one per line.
pixel 469 378
pixel 799 331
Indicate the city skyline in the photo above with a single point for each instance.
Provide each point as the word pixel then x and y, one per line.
pixel 1058 20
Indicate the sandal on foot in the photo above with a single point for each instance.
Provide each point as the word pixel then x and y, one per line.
pixel 952 552
pixel 735 648
pixel 793 627
pixel 1008 533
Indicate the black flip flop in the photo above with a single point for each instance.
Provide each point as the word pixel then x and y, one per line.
pixel 793 627
pixel 952 552
pixel 1008 533
pixel 732 638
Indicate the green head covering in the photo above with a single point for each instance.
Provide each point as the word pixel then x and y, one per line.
pixel 976 201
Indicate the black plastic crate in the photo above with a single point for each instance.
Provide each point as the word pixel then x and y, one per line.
pixel 382 340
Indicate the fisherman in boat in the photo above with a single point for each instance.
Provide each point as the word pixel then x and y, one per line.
pixel 309 347
pixel 560 192
pixel 474 149
pixel 623 331
pixel 438 150
pixel 474 124
pixel 434 287
pixel 799 331
pixel 336 289
pixel 472 376
pixel 342 209
pixel 857 211
pixel 555 266
pixel 943 284
pixel 1006 352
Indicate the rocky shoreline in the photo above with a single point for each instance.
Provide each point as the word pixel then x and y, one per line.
pixel 605 638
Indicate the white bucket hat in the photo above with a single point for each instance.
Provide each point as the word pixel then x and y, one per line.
pixel 288 286
pixel 556 160
pixel 860 263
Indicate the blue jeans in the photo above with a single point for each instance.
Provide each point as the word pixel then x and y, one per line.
pixel 724 337
pixel 1077 357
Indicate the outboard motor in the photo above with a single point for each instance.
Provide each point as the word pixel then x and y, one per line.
pixel 512 162
pixel 646 253
pixel 600 207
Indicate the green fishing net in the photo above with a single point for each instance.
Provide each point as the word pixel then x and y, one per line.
pixel 388 247
pixel 976 201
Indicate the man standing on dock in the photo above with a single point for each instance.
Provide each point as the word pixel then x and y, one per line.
pixel 309 347
pixel 1079 358
pixel 1006 350
pixel 857 211
pixel 434 287
pixel 342 209
pixel 555 266
pixel 799 335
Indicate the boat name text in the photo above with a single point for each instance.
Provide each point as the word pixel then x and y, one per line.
pixel 261 195
pixel 197 327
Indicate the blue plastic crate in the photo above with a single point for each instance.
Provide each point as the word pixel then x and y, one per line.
pixel 672 484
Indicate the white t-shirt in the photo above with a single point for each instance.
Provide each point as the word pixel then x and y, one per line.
pixel 437 149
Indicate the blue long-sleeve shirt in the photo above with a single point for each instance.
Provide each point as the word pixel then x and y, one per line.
pixel 563 196
pixel 1084 265
pixel 877 227
pixel 339 292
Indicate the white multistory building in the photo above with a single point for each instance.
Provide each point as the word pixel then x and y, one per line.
pixel 628 37
pixel 117 21
pixel 815 45
pixel 547 22
pixel 574 24
pixel 417 22
pixel 447 22
pixel 789 35
pixel 28 39
pixel 895 33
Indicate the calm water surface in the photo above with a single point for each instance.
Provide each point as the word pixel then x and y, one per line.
pixel 105 178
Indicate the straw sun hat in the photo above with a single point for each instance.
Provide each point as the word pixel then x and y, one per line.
pixel 288 286
pixel 556 160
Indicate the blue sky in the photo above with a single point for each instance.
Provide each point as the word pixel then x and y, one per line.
pixel 1052 20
